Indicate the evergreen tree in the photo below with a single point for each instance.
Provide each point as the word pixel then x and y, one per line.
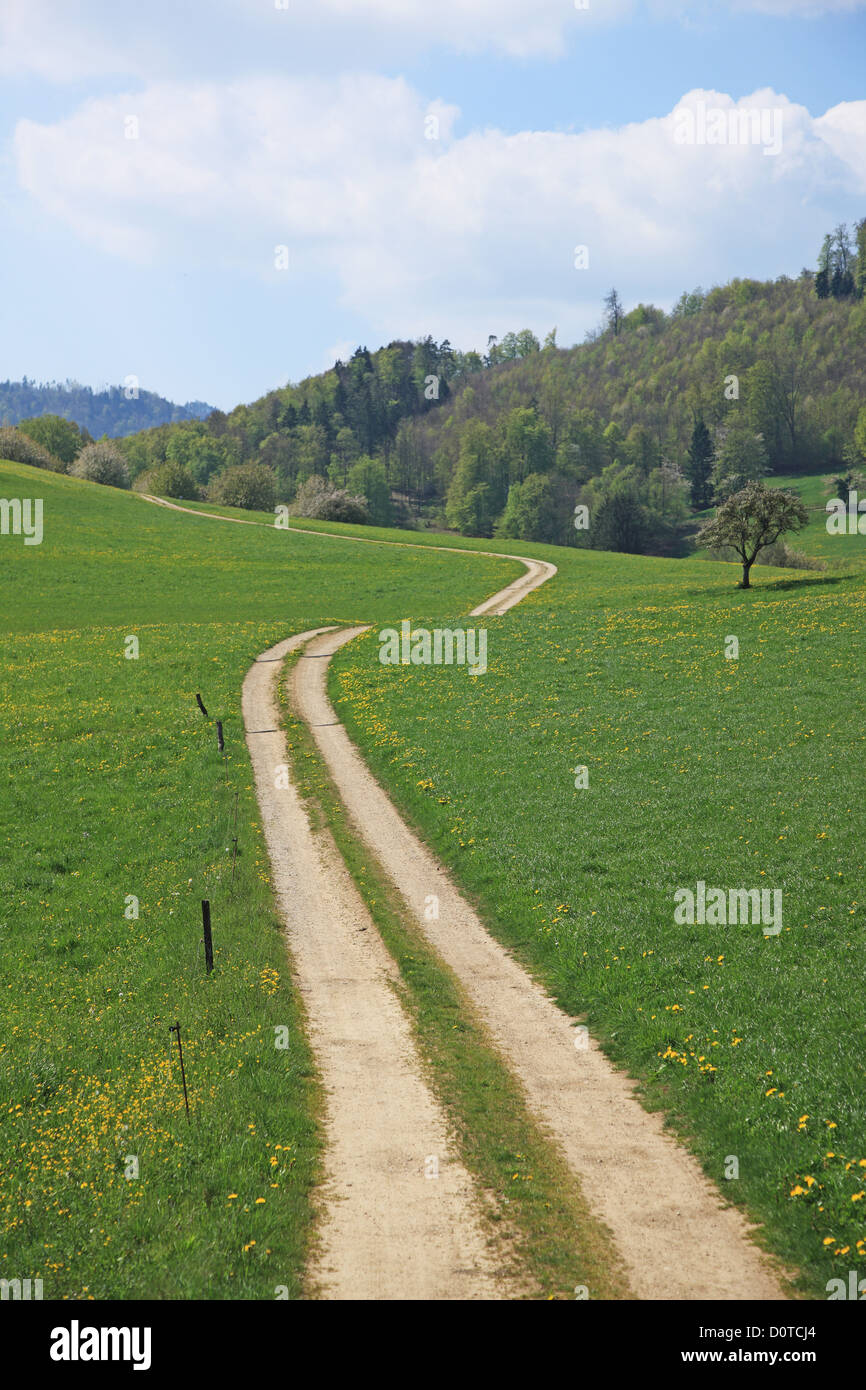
pixel 699 465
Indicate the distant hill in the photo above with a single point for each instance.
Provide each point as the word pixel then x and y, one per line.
pixel 620 442
pixel 113 411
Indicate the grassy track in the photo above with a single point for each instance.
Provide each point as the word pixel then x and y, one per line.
pixel 112 787
pixel 738 773
pixel 530 1189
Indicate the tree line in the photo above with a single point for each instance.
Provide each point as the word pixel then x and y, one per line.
pixel 651 420
pixel 648 422
pixel 341 426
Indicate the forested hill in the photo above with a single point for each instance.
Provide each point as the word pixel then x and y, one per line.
pixel 771 376
pixel 116 411
pixel 650 420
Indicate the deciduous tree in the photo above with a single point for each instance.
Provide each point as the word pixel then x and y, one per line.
pixel 750 520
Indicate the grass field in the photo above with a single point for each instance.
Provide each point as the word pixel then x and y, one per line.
pixel 740 773
pixel 815 539
pixel 113 788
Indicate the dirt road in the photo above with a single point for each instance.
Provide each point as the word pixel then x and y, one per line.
pixel 400 1215
pixel 676 1238
pixel 389 1229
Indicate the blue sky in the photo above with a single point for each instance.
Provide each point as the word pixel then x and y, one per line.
pixel 308 127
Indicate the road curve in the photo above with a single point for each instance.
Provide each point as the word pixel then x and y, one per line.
pixel 537 571
pixel 381 1237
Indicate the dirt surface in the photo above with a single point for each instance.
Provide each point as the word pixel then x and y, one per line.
pixel 388 1230
pixel 677 1239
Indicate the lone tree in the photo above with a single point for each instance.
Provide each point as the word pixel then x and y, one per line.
pixel 751 519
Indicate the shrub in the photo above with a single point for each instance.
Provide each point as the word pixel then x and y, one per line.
pixel 170 479
pixel 342 506
pixel 310 496
pixel 101 463
pixel 780 555
pixel 845 483
pixel 19 448
pixel 318 499
pixel 784 556
pixel 251 486
pixel 60 437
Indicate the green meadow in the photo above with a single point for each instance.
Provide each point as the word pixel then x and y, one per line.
pixel 113 790
pixel 739 773
pixel 743 773
pixel 835 550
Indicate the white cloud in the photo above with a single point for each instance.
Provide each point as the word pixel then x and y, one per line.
pixel 319 162
pixel 42 37
pixel 844 130
pixel 522 28
pixel 458 236
pixel 59 42
pixel 518 28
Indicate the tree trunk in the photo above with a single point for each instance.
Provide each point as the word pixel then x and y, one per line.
pixel 745 584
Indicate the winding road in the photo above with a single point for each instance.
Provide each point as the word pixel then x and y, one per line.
pixel 401 1217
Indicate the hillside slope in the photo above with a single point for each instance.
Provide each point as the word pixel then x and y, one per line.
pixel 510 442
